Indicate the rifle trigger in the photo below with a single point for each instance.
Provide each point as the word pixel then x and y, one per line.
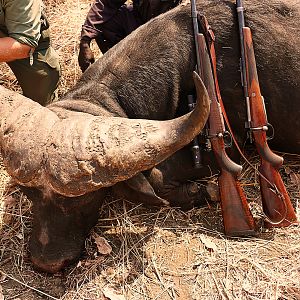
pixel 227 137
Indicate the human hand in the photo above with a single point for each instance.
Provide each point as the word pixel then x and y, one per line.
pixel 86 56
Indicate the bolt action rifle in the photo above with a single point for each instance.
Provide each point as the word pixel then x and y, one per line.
pixel 237 218
pixel 275 200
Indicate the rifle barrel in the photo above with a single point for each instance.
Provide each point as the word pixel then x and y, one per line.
pixel 196 30
pixel 241 22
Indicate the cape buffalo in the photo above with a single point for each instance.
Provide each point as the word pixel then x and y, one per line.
pixel 67 156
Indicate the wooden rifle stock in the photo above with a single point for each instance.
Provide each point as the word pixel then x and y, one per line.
pixel 237 218
pixel 275 200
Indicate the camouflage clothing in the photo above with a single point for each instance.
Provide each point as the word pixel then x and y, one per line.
pixel 23 21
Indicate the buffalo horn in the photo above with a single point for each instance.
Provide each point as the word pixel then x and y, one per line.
pixel 82 153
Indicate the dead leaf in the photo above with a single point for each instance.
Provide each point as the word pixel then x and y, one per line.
pixel 10 201
pixel 212 189
pixel 79 264
pixel 2 277
pixel 210 246
pixel 102 245
pixel 295 178
pixel 19 236
pixel 287 170
pixel 112 294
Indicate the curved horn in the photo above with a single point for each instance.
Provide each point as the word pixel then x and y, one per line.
pixel 83 153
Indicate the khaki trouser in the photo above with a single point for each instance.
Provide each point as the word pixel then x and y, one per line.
pixel 38 81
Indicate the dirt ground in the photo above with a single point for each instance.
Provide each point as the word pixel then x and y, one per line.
pixel 155 253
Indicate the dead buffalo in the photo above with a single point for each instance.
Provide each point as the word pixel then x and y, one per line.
pixel 68 155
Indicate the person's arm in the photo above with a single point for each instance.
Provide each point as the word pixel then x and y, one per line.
pixel 23 29
pixel 10 49
pixel 100 12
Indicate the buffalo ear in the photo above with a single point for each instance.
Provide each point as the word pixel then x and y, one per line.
pixel 139 190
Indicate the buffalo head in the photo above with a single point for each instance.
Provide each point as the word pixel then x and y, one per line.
pixel 63 162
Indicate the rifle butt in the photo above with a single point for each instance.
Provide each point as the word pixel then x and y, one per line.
pixel 275 207
pixel 237 218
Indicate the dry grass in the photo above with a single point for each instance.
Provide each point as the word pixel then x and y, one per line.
pixel 160 254
pixel 156 253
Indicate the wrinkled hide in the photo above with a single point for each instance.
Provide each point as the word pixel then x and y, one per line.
pixel 148 75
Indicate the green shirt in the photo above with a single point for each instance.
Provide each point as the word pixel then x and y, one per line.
pixel 21 20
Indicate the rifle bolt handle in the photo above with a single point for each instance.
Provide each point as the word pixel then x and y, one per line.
pixel 263 128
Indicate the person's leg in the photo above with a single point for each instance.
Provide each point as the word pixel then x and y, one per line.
pixel 38 81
